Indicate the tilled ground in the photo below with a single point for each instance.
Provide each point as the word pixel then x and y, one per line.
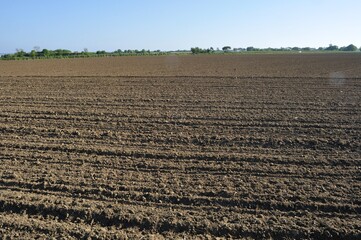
pixel 181 156
pixel 242 65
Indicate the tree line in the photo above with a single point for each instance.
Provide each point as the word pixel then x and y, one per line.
pixel 349 48
pixel 36 53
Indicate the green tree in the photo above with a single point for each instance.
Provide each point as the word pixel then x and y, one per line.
pixel 226 48
pixel 195 50
pixel 45 52
pixel 349 48
pixel 251 49
pixel 331 48
pixel 20 52
pixel 33 53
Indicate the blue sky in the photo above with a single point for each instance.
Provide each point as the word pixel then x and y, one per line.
pixel 177 24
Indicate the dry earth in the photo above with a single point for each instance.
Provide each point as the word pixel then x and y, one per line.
pixel 247 146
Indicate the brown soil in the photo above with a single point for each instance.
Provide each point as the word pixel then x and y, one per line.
pixel 272 65
pixel 256 146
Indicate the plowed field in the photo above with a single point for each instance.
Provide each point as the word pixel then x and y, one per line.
pixel 250 146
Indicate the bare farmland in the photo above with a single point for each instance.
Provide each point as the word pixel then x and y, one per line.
pixel 252 146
